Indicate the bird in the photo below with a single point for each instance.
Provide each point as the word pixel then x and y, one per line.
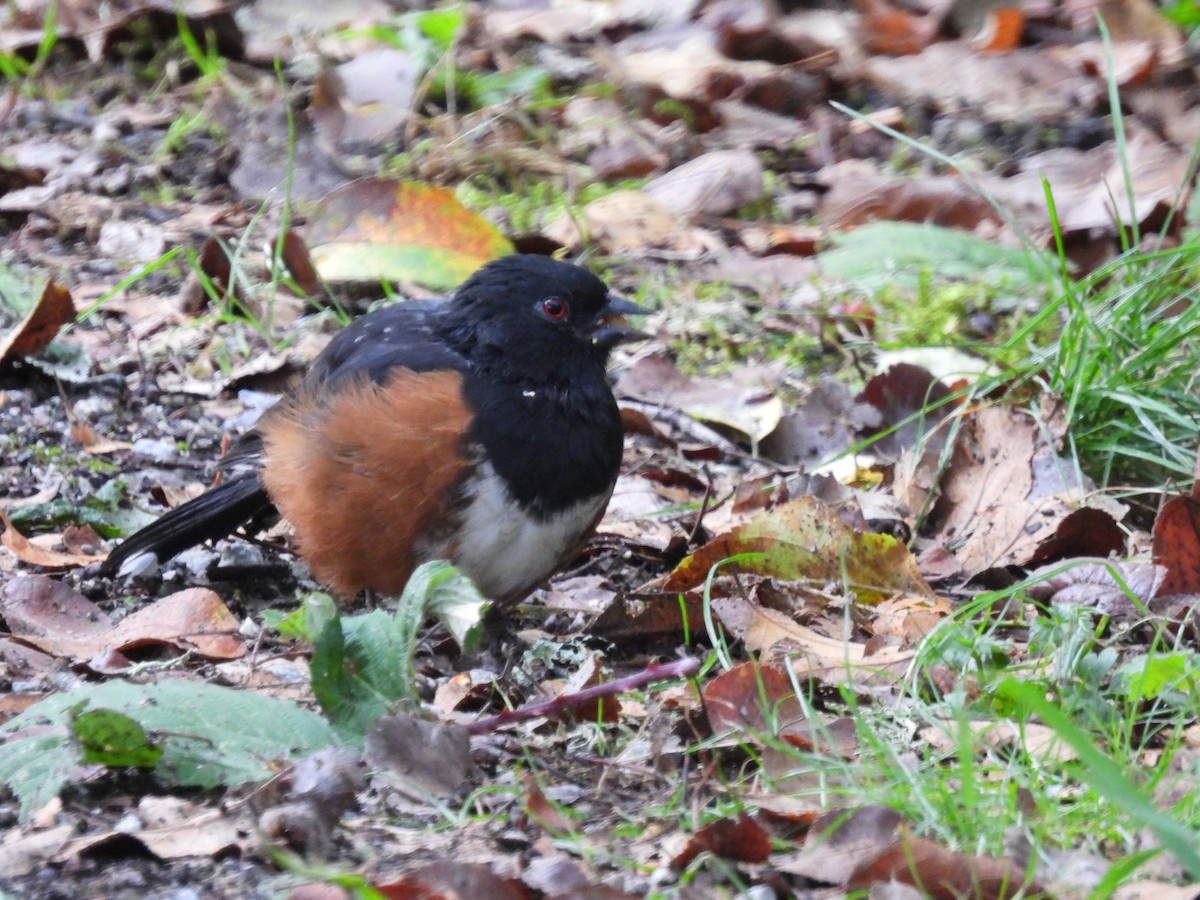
pixel 481 429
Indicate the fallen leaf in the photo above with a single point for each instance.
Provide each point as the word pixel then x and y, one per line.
pixel 540 809
pixel 22 853
pixel 53 309
pixel 49 615
pixel 1027 85
pixel 448 878
pixel 622 220
pixel 738 838
pixel 572 20
pixel 1177 546
pixel 195 618
pixel 838 841
pixel 942 874
pixel 893 31
pixel 1002 29
pixel 710 185
pixel 29 552
pixel 746 404
pixel 816 429
pixel 813 655
pixel 421 758
pixel 400 231
pixel 858 195
pixel 758 702
pixel 1005 493
pixel 910 403
pixel 804 540
pixel 365 101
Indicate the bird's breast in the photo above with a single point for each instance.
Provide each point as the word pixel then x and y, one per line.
pixel 507 549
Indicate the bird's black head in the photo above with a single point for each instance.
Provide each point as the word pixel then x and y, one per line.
pixel 532 317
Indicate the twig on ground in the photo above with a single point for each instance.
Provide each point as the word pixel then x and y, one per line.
pixel 680 668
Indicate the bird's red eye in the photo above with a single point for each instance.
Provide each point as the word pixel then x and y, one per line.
pixel 553 308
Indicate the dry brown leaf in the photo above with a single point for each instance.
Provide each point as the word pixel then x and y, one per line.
pixel 756 702
pixel 452 878
pixel 33 554
pixel 1156 890
pixel 837 842
pixel 195 618
pixel 540 809
pixel 1004 493
pixel 53 309
pixel 689 67
pixel 49 615
pixel 570 20
pixel 1086 184
pixel 365 101
pixel 1025 85
pixel 710 185
pixel 1039 741
pixel 745 403
pixel 858 195
pixel 49 490
pixel 814 655
pixel 22 853
pixel 421 758
pixel 1177 545
pixel 1002 29
pixel 635 508
pixel 622 220
pixel 942 874
pixel 739 838
pixel 175 829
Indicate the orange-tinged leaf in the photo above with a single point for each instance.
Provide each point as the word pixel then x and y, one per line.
pixel 739 838
pixel 941 873
pixel 754 701
pixel 382 229
pixel 888 29
pixel 36 555
pixel 53 309
pixel 1177 546
pixel 805 540
pixel 49 615
pixel 1002 30
pixel 541 810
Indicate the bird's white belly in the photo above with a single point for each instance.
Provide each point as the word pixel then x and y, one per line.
pixel 505 550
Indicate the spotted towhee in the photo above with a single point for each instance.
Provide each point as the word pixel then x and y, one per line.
pixel 481 430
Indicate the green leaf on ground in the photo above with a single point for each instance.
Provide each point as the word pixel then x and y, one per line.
pixel 308 621
pixel 362 666
pixel 443 591
pixel 884 253
pixel 111 738
pixel 107 510
pixel 208 735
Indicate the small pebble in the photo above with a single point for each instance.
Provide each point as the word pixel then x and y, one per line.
pixel 155 449
pixel 130 823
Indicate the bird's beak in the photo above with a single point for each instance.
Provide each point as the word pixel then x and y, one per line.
pixel 612 327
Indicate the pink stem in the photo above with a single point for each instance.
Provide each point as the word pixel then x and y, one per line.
pixel 680 668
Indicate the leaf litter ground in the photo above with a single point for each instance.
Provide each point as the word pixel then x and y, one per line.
pixel 755 774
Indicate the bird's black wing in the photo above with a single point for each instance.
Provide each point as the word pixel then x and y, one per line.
pixel 402 336
pixel 399 336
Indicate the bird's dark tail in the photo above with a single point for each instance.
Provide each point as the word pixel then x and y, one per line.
pixel 214 514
